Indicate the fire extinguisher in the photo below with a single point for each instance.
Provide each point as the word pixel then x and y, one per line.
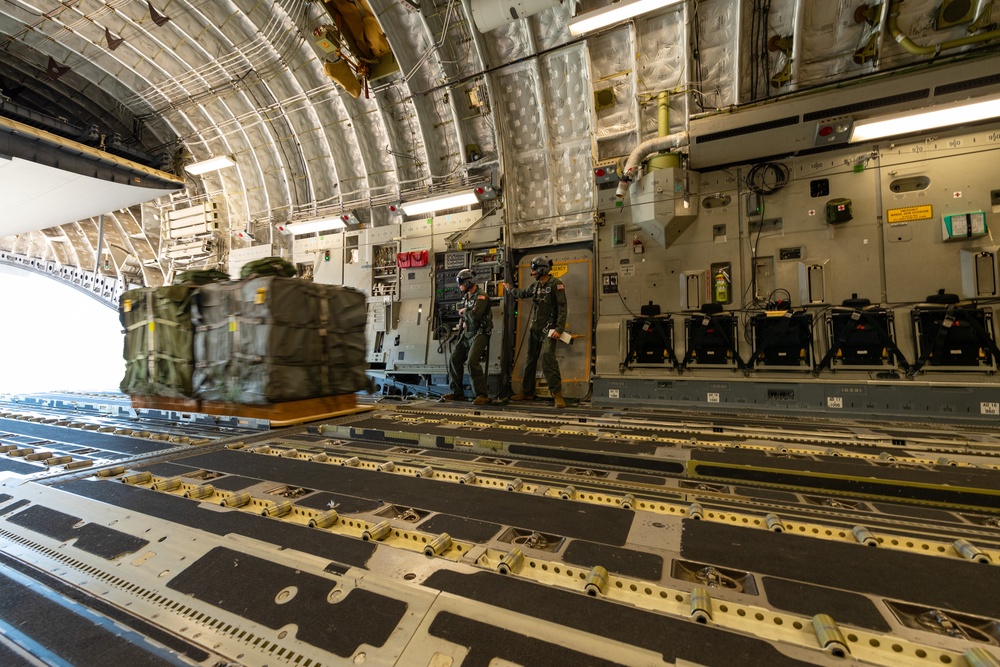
pixel 721 286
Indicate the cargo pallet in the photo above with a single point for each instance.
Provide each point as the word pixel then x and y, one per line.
pixel 284 413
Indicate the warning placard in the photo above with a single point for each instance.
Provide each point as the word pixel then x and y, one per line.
pixel 559 270
pixel 896 216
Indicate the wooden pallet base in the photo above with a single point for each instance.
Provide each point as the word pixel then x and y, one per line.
pixel 279 414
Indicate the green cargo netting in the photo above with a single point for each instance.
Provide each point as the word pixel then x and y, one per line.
pixel 159 352
pixel 272 339
pixel 202 277
pixel 269 266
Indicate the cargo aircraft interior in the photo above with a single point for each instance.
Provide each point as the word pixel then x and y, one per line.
pixel 496 333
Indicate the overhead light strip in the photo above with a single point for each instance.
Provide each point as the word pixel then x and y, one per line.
pixel 932 118
pixel 441 203
pixel 212 164
pixel 310 226
pixel 616 13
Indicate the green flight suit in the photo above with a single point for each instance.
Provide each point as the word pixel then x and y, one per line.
pixel 550 312
pixel 477 325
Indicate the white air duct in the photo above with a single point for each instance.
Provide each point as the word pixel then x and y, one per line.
pixel 491 14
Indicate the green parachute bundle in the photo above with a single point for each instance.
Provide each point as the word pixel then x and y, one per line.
pixel 270 339
pixel 159 352
pixel 201 277
pixel 269 266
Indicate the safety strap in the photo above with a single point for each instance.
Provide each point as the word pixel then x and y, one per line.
pixel 939 340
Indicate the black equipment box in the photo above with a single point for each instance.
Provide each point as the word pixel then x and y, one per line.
pixel 782 341
pixel 651 341
pixel 862 337
pixel 710 340
pixel 954 338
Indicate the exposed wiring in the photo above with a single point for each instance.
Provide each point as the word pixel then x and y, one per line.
pixel 620 298
pixel 767 178
pixel 770 297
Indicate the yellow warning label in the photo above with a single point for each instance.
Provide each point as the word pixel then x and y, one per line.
pixel 896 216
pixel 261 296
pixel 559 270
pixel 152 327
pixel 232 326
pixel 128 306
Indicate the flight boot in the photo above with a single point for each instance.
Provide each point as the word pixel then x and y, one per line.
pixel 557 397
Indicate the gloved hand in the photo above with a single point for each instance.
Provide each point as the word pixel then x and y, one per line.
pixel 554 333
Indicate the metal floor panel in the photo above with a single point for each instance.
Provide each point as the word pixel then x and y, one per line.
pixel 438 534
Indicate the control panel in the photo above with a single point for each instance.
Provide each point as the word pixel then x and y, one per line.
pixel 486 264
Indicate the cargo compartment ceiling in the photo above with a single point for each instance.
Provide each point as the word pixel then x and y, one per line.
pixel 175 82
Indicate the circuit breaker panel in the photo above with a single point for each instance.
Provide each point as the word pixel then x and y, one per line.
pixel 486 264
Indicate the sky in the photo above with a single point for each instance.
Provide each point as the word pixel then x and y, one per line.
pixel 55 338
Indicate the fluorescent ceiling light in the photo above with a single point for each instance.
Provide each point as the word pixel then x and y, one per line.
pixel 615 13
pixel 310 226
pixel 212 164
pixel 442 203
pixel 909 122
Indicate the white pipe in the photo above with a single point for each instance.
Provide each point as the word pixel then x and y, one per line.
pixel 642 151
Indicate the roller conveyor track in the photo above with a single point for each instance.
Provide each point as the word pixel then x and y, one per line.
pixel 535 538
pixel 859 437
pixel 901 475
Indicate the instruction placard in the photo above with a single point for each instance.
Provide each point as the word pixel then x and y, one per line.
pixel 898 216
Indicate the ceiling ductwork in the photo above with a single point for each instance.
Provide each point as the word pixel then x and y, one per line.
pixel 491 14
pixel 821 120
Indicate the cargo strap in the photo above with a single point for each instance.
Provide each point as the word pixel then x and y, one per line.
pixel 325 369
pixel 232 391
pixel 150 339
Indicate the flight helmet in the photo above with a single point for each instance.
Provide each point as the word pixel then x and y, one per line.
pixel 541 266
pixel 465 279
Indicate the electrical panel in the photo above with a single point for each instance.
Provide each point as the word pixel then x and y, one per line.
pixel 486 265
pixel 385 270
